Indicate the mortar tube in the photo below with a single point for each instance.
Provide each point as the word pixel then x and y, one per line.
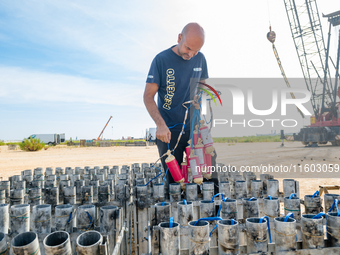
pixel 17 196
pixel 328 200
pixel 20 219
pixel 79 184
pixel 64 177
pixel 240 189
pixel 285 235
pixel 87 194
pixel 52 197
pixel 273 188
pixel 104 192
pixel 35 184
pixel 120 192
pixel 185 212
pixel 95 185
pixel 34 195
pixel 250 208
pixel 264 178
pixel 38 171
pixel 256 187
pixel 271 207
pixel 86 217
pixel 142 196
pixel 48 171
pixel 26 172
pixel 158 192
pixel 51 177
pixel 107 222
pixel 70 195
pixel 69 171
pixel 224 188
pixel 26 243
pixel 73 179
pixel 103 172
pixel 50 184
pixel 229 209
pixel 234 177
pixel 4 218
pixel 199 241
pixel 169 238
pixel 93 173
pixel 228 237
pixel 175 192
pixel 3 244
pixel 13 179
pixel 89 242
pixel 289 187
pixel 191 191
pixel 20 185
pixel 208 190
pixel 162 212
pixel 5 185
pixel 64 218
pixel 207 209
pixel 293 206
pixel 333 229
pixel 2 196
pixel 257 235
pixel 100 178
pixel 139 175
pixel 58 243
pixel 41 219
pixel 249 177
pixel 111 184
pixel 312 204
pixel 62 184
pixel 312 232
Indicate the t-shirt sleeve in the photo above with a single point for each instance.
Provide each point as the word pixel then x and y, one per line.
pixel 204 69
pixel 154 74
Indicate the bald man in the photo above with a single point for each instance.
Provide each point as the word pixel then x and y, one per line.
pixel 174 73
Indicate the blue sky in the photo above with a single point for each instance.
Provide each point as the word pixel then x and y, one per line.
pixel 67 66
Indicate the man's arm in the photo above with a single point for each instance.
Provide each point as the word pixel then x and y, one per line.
pixel 163 133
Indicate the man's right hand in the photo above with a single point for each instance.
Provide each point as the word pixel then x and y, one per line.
pixel 163 133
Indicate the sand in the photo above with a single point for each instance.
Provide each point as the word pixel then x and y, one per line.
pixel 239 155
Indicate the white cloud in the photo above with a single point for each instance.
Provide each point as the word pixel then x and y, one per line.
pixel 27 86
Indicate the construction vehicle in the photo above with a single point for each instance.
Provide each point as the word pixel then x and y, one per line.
pixel 100 137
pixel 317 67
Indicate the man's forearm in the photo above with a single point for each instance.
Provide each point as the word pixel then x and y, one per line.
pixel 154 112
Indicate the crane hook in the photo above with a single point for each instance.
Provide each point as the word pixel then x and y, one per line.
pixel 271 35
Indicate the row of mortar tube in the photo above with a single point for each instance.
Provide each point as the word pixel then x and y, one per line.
pixel 258 234
pixel 55 243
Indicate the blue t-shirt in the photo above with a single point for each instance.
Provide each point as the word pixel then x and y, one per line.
pixel 176 78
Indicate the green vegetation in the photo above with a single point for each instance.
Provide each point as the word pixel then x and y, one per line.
pixel 247 139
pixel 31 145
pixel 2 143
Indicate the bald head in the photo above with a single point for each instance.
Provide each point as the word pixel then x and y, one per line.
pixel 193 30
pixel 190 41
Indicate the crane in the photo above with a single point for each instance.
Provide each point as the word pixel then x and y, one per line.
pixel 101 133
pixel 313 54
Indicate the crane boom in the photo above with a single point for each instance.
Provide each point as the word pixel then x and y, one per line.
pixel 101 133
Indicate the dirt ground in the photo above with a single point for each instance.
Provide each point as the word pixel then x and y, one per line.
pixel 243 156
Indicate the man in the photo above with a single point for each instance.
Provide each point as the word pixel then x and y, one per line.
pixel 174 73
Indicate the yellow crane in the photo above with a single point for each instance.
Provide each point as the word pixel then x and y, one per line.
pixel 100 135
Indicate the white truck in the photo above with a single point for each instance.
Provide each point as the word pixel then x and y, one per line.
pixel 50 139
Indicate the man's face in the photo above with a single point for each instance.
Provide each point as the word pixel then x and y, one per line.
pixel 189 46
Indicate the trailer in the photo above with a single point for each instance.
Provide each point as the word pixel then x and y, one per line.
pixel 50 139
